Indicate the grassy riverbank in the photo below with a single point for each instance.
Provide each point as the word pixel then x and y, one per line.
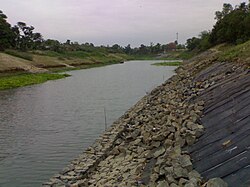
pixel 8 82
pixel 26 68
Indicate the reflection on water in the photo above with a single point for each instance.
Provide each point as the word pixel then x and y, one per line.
pixel 43 127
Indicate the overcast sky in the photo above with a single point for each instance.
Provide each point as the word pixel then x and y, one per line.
pixel 115 21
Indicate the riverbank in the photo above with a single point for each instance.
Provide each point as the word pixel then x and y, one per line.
pixel 150 144
pixel 26 68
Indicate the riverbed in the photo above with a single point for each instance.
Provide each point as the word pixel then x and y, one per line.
pixel 44 127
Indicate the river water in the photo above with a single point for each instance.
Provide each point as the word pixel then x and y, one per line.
pixel 44 127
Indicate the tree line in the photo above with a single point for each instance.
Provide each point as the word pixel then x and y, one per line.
pixel 232 26
pixel 22 37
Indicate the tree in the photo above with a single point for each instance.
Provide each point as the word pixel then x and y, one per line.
pixel 143 49
pixel 26 38
pixel 227 8
pixel 193 43
pixel 52 45
pixel 6 33
pixel 232 26
pixel 128 49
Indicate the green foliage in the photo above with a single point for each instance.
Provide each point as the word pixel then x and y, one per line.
pixel 20 54
pixel 201 43
pixel 193 43
pixel 175 63
pixel 227 8
pixel 27 79
pixel 233 26
pixel 6 33
pixel 185 55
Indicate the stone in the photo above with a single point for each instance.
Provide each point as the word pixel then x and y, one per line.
pixel 170 179
pixel 146 137
pixel 163 184
pixel 190 139
pixel 182 181
pixel 185 162
pixel 158 137
pixel 190 185
pixel 175 152
pixel 156 144
pixel 81 183
pixel 138 169
pixel 168 143
pixel 137 141
pixel 159 152
pixel 160 161
pixel 193 174
pixel 173 185
pixel 59 185
pixel 115 151
pixel 216 182
pixel 169 170
pixel 135 133
pixel 180 172
pixel 199 131
pixel 154 177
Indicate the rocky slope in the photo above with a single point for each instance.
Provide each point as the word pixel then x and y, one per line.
pixel 150 144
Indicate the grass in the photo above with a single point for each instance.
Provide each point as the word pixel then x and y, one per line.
pixel 27 79
pixel 19 54
pixel 176 63
pixel 230 53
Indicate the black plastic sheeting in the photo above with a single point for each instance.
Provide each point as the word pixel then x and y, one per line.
pixel 224 149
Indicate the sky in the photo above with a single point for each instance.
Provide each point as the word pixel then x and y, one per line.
pixel 107 22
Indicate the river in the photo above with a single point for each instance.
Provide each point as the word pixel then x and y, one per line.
pixel 43 127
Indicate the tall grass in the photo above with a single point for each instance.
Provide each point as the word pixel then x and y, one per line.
pixel 19 54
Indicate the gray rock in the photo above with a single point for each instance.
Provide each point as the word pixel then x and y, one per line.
pixel 169 170
pixel 216 182
pixel 160 151
pixel 190 184
pixel 180 172
pixel 163 184
pixel 182 181
pixel 135 133
pixel 190 139
pixel 193 174
pixel 156 144
pixel 159 137
pixel 115 151
pixel 185 162
pixel 174 185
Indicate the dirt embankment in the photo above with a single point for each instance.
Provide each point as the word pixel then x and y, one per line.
pixel 39 64
pixel 191 131
pixel 10 64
